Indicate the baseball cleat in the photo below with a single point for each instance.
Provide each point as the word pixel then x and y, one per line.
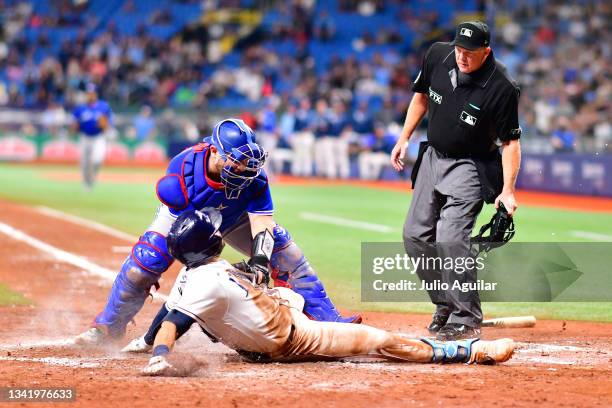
pixel 92 337
pixel 355 319
pixel 137 345
pixel 159 366
pixel 437 322
pixel 457 331
pixel 491 352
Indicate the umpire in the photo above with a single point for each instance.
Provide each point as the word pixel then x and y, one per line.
pixel 473 108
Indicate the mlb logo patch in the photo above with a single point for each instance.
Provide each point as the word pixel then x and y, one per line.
pixel 466 32
pixel 467 118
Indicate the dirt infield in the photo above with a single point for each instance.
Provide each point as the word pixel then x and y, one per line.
pixel 557 363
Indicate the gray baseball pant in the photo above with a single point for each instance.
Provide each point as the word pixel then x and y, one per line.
pixel 445 203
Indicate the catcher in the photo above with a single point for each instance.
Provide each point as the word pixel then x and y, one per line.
pixel 265 324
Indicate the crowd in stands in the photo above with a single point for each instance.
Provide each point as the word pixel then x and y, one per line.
pixel 563 67
pixel 340 108
pixel 131 69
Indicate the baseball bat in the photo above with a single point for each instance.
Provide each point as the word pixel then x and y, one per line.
pixel 510 322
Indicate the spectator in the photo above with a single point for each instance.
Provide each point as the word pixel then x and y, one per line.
pixel 144 124
pixel 563 139
pixel 324 27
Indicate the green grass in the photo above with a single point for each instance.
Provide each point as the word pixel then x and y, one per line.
pixel 333 250
pixel 11 298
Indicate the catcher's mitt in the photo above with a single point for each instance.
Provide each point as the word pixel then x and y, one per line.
pixel 245 271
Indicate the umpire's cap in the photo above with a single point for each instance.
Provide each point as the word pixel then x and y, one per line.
pixel 194 237
pixel 472 35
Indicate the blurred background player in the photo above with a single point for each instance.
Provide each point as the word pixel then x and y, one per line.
pixel 376 153
pixel 225 172
pixel 268 325
pixel 92 120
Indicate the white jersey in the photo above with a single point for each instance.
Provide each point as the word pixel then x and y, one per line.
pixel 270 322
pixel 232 310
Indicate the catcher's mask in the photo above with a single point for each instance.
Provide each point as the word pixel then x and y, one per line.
pixel 194 238
pixel 244 158
pixel 501 230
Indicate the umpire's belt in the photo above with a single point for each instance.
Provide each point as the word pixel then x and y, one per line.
pixel 481 156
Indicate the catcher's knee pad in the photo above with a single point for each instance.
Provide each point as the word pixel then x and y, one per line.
pixel 291 268
pixel 141 270
pixel 151 253
pixel 450 351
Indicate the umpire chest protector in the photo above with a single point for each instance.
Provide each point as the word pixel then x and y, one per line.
pixel 468 113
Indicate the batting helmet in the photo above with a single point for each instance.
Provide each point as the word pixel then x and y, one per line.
pixel 194 237
pixel 244 158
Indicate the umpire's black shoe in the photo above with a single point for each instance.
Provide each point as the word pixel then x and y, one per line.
pixel 457 331
pixel 437 322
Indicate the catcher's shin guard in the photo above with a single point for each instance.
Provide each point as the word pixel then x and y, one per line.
pixel 141 270
pixel 292 269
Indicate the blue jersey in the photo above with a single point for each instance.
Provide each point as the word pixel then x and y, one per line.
pixel 187 186
pixel 88 116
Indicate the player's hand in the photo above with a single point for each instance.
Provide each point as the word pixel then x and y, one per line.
pixel 254 272
pixel 509 201
pixel 261 273
pixel 398 154
pixel 103 122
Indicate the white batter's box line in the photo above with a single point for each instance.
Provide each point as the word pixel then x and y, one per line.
pixel 39 344
pixel 345 222
pixel 593 236
pixel 57 361
pixel 84 222
pixel 65 256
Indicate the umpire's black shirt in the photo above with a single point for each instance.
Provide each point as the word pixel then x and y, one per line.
pixel 467 112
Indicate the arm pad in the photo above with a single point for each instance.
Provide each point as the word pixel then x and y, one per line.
pixel 263 244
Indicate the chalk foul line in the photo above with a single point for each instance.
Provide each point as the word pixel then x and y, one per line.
pixel 345 222
pixel 64 256
pixel 83 222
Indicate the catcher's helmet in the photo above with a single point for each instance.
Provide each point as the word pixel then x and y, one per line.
pixel 194 237
pixel 244 158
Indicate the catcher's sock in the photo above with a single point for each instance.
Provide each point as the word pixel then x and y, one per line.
pixel 160 350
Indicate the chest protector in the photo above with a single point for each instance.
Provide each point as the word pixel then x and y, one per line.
pixel 184 186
